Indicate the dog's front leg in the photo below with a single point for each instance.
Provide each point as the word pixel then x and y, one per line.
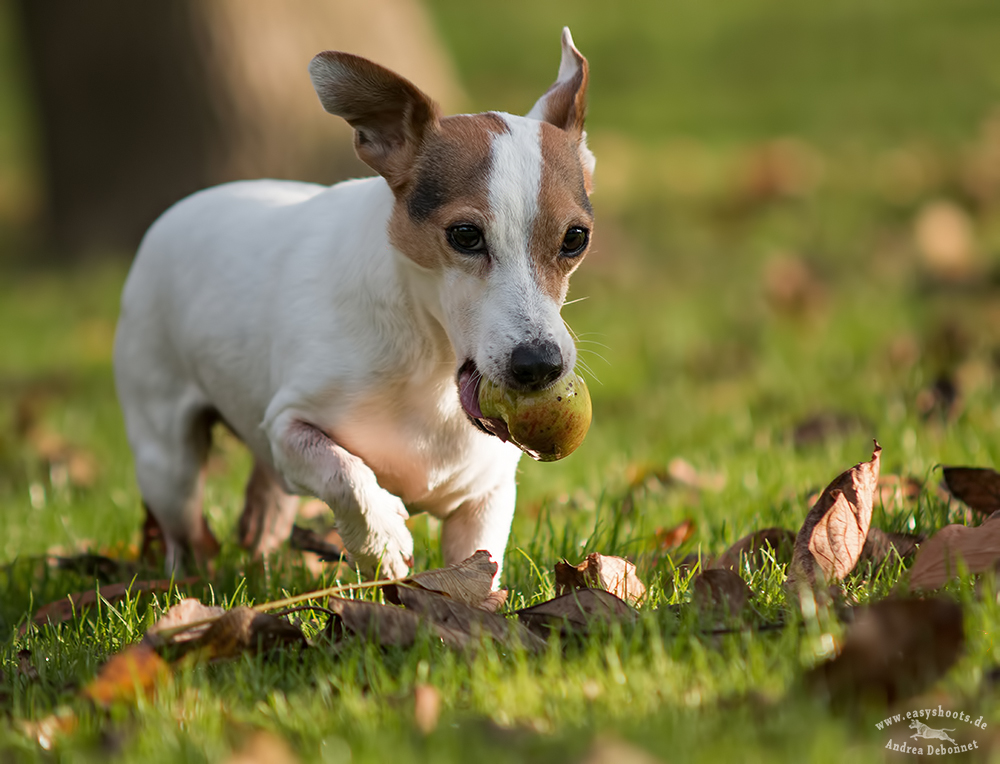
pixel 370 520
pixel 482 523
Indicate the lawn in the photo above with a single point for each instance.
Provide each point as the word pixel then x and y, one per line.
pixel 797 251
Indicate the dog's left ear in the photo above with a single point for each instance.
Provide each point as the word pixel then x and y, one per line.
pixel 390 115
pixel 565 103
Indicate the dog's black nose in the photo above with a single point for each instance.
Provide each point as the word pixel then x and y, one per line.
pixel 537 364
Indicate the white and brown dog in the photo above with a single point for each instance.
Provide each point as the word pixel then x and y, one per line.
pixel 341 332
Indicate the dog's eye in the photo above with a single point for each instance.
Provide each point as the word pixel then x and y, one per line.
pixel 467 238
pixel 575 241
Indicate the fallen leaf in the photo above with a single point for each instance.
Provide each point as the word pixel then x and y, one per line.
pixel 887 545
pixel 469 581
pixel 942 400
pixel 245 631
pixel 187 611
pixel 613 574
pixel 459 617
pixel 65 609
pixel 263 747
pixel 720 590
pixel 46 730
pixel 25 667
pixel 978 548
pixel 896 491
pixel 426 708
pixel 94 565
pixel 891 651
pixel 756 548
pixel 671 538
pixel 979 487
pixel 577 612
pixel 682 472
pixel 792 287
pixel 135 672
pixel 821 427
pixel 608 750
pixel 945 237
pixel 387 625
pixel 834 531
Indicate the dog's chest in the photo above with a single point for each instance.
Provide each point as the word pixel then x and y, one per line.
pixel 422 448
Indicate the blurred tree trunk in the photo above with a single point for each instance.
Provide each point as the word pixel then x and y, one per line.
pixel 142 103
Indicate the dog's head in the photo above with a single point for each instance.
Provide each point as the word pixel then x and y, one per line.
pixel 495 206
pixel 914 724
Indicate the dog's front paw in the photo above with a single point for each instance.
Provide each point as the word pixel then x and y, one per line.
pixel 378 541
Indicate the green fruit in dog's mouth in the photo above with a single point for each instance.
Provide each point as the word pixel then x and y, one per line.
pixel 546 424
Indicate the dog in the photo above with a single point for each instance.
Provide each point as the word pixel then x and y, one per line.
pixel 922 730
pixel 341 332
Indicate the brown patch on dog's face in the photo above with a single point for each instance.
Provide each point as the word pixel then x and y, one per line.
pixel 450 185
pixel 563 205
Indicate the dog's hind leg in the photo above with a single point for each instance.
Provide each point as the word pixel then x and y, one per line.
pixel 171 442
pixel 268 512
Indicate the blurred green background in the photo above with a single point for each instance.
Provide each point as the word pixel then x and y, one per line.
pixel 797 250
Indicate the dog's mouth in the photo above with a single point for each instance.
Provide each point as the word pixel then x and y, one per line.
pixel 468 393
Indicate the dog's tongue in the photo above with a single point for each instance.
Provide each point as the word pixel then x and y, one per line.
pixel 468 394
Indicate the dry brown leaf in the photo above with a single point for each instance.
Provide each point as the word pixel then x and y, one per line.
pixel 886 545
pixel 756 547
pixel 46 730
pixel 945 236
pixel 263 748
pixel 389 626
pixel 244 630
pixel 64 609
pixel 577 611
pixel 834 531
pixel 607 750
pixel 979 487
pixel 668 539
pixel 494 601
pixel 937 562
pixel 896 491
pixel 614 574
pixel 473 622
pixel 892 651
pixel 426 708
pixel 720 589
pixel 469 581
pixel 134 672
pixel 25 667
pixel 187 611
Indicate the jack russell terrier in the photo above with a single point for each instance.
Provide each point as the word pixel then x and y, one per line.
pixel 341 332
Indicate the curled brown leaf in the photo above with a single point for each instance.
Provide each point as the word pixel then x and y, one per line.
pixel 833 534
pixel 942 556
pixel 613 574
pixel 577 612
pixel 979 487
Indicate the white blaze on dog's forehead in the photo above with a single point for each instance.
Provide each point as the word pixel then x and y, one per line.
pixel 514 184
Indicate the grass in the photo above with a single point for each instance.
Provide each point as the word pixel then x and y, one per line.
pixel 695 352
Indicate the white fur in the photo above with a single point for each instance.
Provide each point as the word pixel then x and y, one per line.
pixel 285 308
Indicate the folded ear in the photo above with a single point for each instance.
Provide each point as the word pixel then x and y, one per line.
pixel 565 103
pixel 390 115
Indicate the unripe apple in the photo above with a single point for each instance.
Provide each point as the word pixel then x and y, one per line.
pixel 546 424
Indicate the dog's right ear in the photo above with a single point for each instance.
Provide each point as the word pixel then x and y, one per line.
pixel 390 115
